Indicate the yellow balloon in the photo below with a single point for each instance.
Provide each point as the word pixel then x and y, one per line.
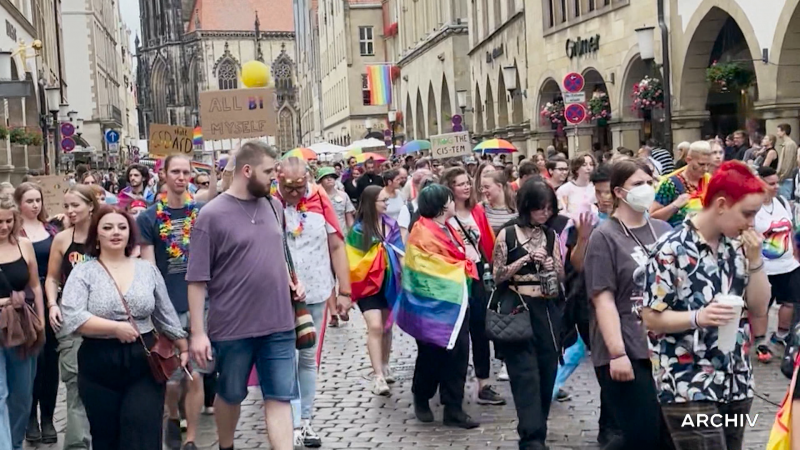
pixel 255 74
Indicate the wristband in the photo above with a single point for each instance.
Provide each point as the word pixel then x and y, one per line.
pixel 345 294
pixel 618 357
pixel 693 319
pixel 757 268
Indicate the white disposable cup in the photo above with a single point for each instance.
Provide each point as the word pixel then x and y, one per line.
pixel 729 331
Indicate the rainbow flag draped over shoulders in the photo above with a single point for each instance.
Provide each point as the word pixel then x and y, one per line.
pixel 316 201
pixel 436 280
pixel 378 266
pixel 380 84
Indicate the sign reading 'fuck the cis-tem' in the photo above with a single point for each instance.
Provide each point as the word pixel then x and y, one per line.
pixel 450 145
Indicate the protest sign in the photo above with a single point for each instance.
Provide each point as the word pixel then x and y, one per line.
pixel 53 189
pixel 450 145
pixel 168 140
pixel 238 113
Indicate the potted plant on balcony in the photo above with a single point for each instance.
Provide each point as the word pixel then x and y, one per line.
pixel 36 138
pixel 19 136
pixel 599 108
pixel 553 112
pixel 647 95
pixel 729 77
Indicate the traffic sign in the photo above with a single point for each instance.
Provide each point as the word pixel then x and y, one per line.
pixel 456 120
pixel 68 144
pixel 112 136
pixel 113 148
pixel 67 129
pixel 573 82
pixel 575 113
pixel 577 97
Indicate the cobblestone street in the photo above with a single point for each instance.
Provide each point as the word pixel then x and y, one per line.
pixel 349 416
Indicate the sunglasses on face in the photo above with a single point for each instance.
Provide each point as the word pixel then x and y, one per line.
pixel 204 184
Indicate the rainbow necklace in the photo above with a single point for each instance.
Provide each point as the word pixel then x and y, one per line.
pixel 303 210
pixel 177 246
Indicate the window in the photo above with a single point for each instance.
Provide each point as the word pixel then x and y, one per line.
pixel 577 5
pixel 365 92
pixel 227 75
pixel 365 42
pixel 591 5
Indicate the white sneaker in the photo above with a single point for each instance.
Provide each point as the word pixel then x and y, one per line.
pixel 298 439
pixel 388 375
pixel 503 374
pixel 310 437
pixel 379 387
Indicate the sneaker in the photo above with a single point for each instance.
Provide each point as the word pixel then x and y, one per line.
pixel 503 374
pixel 310 437
pixel 608 439
pixel 379 387
pixel 49 434
pixel 488 396
pixel 422 409
pixel 764 354
pixel 778 340
pixel 184 425
pixel 297 439
pixel 388 375
pixel 173 440
pixel 334 323
pixel 563 396
pixel 33 434
pixel 459 419
pixel 189 446
pixel 208 411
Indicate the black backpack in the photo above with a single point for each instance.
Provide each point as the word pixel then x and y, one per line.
pixel 413 213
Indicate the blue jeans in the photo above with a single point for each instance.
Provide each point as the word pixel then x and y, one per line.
pixel 16 396
pixel 572 359
pixel 307 371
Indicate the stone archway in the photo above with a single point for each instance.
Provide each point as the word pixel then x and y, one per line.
pixel 158 88
pixel 479 125
pixel 516 103
pixel 502 101
pixel 634 74
pixel 419 117
pixel 433 116
pixel 787 52
pixel 549 92
pixel 447 108
pixel 490 117
pixel 409 118
pixel 723 37
pixel 596 88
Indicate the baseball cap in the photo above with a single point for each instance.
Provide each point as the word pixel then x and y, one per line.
pixel 323 172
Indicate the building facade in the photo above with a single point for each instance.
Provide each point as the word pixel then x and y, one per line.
pixel 201 45
pixel 497 41
pixel 127 93
pixel 350 38
pixel 309 78
pixel 94 68
pixel 434 64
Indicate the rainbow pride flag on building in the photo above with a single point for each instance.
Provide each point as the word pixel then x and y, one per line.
pixel 436 282
pixel 380 84
pixel 377 267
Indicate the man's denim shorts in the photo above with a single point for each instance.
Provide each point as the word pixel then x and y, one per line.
pixel 275 359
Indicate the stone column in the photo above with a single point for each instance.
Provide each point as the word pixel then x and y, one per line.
pixel 687 126
pixel 775 115
pixel 540 139
pixel 580 141
pixel 626 134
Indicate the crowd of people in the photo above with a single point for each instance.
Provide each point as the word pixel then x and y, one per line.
pixel 663 267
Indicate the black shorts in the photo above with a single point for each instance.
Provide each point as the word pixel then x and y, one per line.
pixel 377 301
pixel 786 287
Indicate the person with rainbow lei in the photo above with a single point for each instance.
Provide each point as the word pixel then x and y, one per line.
pixel 680 194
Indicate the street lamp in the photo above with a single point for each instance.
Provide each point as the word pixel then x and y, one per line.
pixel 63 110
pixel 79 126
pixel 72 115
pixel 392 121
pixel 510 78
pixel 646 39
pixel 53 98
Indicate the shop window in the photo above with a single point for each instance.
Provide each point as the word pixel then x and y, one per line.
pixel 365 93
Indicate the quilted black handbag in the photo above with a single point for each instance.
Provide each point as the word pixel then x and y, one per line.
pixel 508 319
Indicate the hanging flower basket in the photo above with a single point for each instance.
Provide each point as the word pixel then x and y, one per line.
pixel 391 30
pixel 599 107
pixel 21 136
pixel 647 94
pixel 553 113
pixel 395 72
pixel 729 77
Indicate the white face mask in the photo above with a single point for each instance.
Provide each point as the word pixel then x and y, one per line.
pixel 641 197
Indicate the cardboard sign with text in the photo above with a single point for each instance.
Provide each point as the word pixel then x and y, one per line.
pixel 451 145
pixel 53 189
pixel 238 113
pixel 168 140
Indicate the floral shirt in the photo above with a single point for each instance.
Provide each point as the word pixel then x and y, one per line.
pixel 684 274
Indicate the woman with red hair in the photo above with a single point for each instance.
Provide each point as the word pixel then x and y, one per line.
pixel 699 277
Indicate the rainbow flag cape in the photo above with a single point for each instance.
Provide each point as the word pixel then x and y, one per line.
pixel 197 137
pixel 780 437
pixel 436 281
pixel 316 201
pixel 377 267
pixel 695 203
pixel 380 84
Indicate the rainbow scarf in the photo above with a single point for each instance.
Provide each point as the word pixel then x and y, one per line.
pixel 436 281
pixel 377 267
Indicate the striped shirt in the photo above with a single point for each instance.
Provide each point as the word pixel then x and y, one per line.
pixel 664 159
pixel 498 217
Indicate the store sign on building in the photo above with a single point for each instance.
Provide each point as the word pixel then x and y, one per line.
pixel 11 31
pixel 582 47
pixel 494 54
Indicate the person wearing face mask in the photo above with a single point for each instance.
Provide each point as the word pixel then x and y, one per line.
pixel 680 193
pixel 702 341
pixel 615 283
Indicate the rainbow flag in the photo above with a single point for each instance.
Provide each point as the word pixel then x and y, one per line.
pixel 380 84
pixel 197 137
pixel 780 436
pixel 378 267
pixel 436 282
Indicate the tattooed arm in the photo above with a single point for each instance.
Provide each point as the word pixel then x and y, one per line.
pixel 503 272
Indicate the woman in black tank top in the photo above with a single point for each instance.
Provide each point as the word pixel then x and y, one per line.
pixel 18 272
pixel 29 199
pixel 67 251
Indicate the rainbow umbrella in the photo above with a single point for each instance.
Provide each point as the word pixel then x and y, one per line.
pixel 360 158
pixel 495 146
pixel 353 152
pixel 301 152
pixel 414 146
